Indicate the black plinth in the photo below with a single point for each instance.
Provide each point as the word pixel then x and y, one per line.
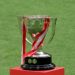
pixel 38 62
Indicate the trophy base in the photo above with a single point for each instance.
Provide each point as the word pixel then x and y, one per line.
pixel 39 61
pixel 38 67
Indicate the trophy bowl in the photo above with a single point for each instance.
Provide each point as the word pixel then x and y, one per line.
pixel 34 30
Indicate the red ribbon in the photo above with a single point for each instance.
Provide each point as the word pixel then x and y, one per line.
pixel 39 38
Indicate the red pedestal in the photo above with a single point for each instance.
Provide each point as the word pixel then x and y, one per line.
pixel 19 71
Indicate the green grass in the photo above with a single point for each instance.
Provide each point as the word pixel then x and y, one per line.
pixel 62 47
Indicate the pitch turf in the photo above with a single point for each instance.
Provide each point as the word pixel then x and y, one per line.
pixel 62 47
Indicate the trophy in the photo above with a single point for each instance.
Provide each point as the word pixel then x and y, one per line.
pixel 37 31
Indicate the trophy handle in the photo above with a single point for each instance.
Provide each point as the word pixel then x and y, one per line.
pixel 53 29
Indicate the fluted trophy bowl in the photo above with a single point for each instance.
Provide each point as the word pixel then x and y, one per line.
pixel 37 27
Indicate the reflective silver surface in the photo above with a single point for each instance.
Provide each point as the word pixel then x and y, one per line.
pixel 40 54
